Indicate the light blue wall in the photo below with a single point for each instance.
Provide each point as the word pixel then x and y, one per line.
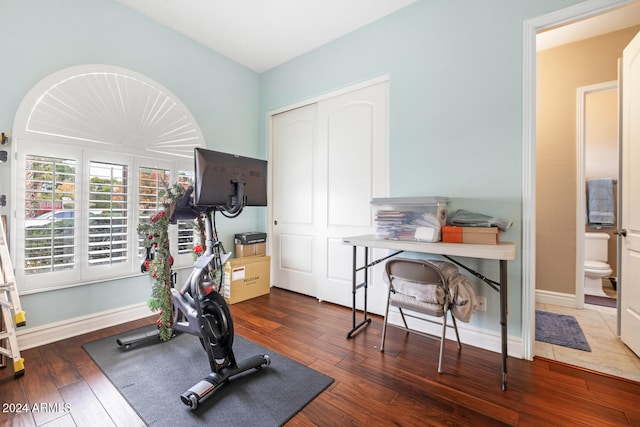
pixel 40 37
pixel 455 71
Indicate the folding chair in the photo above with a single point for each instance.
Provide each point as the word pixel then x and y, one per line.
pixel 420 287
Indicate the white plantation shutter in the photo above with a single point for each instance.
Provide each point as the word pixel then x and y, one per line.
pixel 152 188
pixel 151 182
pixel 186 228
pixel 108 208
pixel 49 212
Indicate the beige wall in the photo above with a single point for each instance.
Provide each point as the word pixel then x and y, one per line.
pixel 601 134
pixel 561 71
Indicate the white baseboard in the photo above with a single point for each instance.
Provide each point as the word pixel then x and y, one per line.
pixel 469 334
pixel 557 298
pixel 51 332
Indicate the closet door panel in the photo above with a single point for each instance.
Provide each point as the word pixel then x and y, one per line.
pixel 294 224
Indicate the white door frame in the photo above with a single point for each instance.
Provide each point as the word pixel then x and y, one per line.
pixel 581 199
pixel 564 16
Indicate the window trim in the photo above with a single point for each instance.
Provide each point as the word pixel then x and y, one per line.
pixel 84 273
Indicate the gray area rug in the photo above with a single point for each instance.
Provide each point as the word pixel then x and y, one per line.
pixel 560 329
pixel 152 377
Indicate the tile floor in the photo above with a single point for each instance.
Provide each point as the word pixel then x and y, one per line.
pixel 608 354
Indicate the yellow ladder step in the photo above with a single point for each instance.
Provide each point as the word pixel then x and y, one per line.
pixel 20 318
pixel 18 367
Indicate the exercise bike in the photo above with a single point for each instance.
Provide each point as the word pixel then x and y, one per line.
pixel 199 309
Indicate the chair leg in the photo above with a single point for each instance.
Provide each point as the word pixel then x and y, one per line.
pixel 455 327
pixel 442 340
pixel 406 326
pixel 384 322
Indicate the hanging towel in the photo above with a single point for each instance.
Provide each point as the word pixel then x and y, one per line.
pixel 600 205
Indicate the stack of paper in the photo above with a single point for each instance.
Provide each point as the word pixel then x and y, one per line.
pixel 396 224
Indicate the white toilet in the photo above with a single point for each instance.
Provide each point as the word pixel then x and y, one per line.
pixel 595 263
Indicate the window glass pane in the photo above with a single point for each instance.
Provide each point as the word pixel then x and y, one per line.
pixel 49 211
pixel 186 228
pixel 152 183
pixel 108 213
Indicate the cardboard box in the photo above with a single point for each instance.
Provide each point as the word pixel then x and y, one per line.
pixel 473 235
pixel 254 249
pixel 246 278
pixel 481 235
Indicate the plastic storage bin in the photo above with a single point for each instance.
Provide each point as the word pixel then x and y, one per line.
pixel 410 218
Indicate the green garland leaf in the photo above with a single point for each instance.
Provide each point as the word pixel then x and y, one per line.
pixel 155 234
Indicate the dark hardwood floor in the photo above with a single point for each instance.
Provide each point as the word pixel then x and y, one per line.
pixel 398 387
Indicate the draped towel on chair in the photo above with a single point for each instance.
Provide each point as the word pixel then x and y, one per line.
pixel 462 297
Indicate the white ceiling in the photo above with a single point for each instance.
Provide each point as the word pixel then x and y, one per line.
pixel 262 34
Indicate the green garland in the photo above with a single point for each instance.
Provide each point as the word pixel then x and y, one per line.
pixel 155 235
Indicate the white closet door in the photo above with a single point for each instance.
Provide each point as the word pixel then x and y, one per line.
pixel 294 224
pixel 353 131
pixel 329 160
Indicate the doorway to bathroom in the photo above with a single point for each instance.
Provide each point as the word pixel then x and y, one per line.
pixel 557 274
pixel 575 81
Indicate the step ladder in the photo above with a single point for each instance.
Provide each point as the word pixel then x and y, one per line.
pixel 12 314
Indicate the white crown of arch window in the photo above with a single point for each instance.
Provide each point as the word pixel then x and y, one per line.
pixel 108 105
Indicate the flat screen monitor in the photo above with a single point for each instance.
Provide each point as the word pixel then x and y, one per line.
pixel 229 181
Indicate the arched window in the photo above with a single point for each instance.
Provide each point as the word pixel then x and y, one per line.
pixel 94 147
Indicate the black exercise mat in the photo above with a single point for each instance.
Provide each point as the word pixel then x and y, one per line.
pixel 152 377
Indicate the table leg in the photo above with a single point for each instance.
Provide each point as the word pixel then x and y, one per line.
pixel 503 320
pixel 354 289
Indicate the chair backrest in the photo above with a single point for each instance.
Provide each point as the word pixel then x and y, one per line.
pixel 417 278
pixel 414 270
